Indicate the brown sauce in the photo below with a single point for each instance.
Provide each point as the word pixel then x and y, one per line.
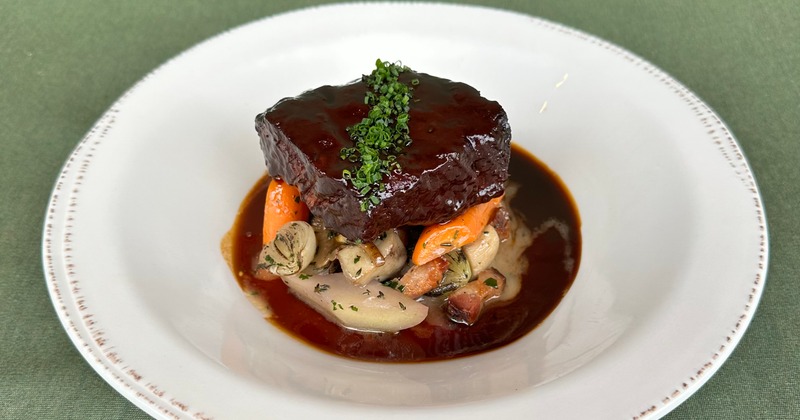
pixel 553 263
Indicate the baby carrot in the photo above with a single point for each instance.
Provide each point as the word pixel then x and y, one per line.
pixel 437 240
pixel 282 205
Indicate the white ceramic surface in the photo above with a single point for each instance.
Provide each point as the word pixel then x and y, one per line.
pixel 674 232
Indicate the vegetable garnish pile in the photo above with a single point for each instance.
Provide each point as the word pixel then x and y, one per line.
pixel 375 286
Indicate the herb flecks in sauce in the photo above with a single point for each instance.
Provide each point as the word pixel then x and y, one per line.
pixel 381 135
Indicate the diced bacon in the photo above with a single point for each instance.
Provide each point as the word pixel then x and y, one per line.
pixel 466 303
pixel 501 222
pixel 422 278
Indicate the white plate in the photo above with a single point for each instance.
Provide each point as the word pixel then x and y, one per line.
pixel 675 239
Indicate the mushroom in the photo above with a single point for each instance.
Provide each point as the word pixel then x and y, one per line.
pixel 378 260
pixel 482 251
pixel 291 251
pixel 358 261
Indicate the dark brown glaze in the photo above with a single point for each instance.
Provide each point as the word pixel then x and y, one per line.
pixel 458 157
pixel 553 264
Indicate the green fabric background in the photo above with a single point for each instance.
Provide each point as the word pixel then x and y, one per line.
pixel 62 64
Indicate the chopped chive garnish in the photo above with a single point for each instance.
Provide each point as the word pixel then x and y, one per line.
pixel 381 135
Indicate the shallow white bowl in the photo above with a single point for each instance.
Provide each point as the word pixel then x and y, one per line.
pixel 675 241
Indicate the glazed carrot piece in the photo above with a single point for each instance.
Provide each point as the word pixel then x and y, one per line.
pixel 437 240
pixel 282 205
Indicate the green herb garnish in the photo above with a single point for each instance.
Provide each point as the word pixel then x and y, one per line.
pixel 381 135
pixel 394 284
pixel 270 262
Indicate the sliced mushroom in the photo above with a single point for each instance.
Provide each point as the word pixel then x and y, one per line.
pixel 291 251
pixel 371 308
pixel 371 261
pixel 358 261
pixel 391 245
pixel 482 251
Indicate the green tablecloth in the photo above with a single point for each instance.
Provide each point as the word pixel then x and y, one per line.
pixel 63 63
